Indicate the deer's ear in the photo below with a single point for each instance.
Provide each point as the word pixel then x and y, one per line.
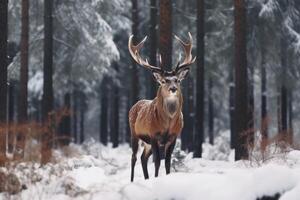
pixel 182 74
pixel 158 77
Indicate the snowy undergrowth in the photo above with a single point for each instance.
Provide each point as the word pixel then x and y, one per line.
pixel 97 172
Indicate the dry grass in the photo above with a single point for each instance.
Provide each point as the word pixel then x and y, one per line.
pixel 39 139
pixel 262 148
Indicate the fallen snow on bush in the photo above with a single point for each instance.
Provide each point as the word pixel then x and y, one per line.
pixel 98 172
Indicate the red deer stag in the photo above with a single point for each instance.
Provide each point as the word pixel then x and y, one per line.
pixel 158 122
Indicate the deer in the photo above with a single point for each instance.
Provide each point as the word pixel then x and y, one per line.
pixel 158 122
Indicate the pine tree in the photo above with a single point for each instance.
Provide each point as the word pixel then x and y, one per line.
pixel 65 133
pixel 231 107
pixel 3 77
pixel 23 102
pixel 210 111
pixel 114 109
pixel 241 80
pixel 291 116
pixel 283 87
pixel 264 111
pixel 153 45
pixel 11 114
pixel 82 109
pixel 47 101
pixel 75 115
pixel 134 70
pixel 199 119
pixel 104 112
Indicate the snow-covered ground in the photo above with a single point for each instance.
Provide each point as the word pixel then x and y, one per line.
pixel 97 172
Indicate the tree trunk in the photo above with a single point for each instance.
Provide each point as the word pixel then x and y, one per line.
pixel 264 111
pixel 250 131
pixel 23 98
pixel 3 77
pixel 66 122
pixel 127 132
pixel 165 33
pixel 210 112
pixel 47 101
pixel 186 115
pixel 184 132
pixel 74 114
pixel 241 80
pixel 199 121
pixel 190 114
pixel 11 115
pixel 114 120
pixel 134 91
pixel 82 116
pixel 104 112
pixel 116 110
pixel 291 116
pixel 283 88
pixel 153 45
pixel 231 108
pixel 278 110
pixel 134 70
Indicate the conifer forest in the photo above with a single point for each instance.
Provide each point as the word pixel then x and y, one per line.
pixel 150 99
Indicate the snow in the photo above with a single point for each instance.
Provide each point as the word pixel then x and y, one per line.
pixel 93 171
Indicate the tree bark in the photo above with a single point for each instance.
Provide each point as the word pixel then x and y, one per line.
pixel 283 88
pixel 3 77
pixel 104 112
pixel 153 45
pixel 210 112
pixel 291 116
pixel 188 116
pixel 114 119
pixel 23 98
pixel 66 122
pixel 264 111
pixel 165 33
pixel 241 80
pixel 185 112
pixel 11 115
pixel 47 101
pixel 232 108
pixel 82 116
pixel 74 114
pixel 134 91
pixel 134 70
pixel 199 121
pixel 250 131
pixel 191 114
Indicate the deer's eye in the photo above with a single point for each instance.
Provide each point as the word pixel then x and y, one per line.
pixel 163 81
pixel 168 81
pixel 176 80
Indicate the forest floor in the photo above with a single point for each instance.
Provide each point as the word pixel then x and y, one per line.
pixel 92 171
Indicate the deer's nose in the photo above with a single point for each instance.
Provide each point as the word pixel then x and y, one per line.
pixel 173 89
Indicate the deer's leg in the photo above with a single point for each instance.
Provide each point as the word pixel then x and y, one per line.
pixel 156 156
pixel 144 159
pixel 134 145
pixel 169 152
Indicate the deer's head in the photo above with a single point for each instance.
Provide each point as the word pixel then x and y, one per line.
pixel 169 80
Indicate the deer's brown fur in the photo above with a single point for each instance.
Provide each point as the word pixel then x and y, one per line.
pixel 149 117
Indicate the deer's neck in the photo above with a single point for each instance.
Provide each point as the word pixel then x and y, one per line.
pixel 169 107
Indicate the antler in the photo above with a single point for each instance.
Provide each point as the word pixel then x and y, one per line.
pixel 188 54
pixel 134 51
